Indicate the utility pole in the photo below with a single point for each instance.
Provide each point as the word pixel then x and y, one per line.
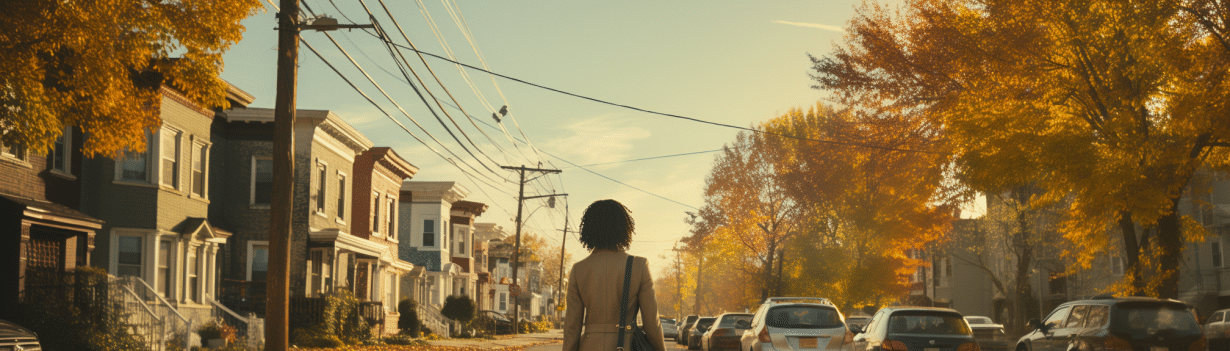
pixel 517 246
pixel 559 290
pixel 277 283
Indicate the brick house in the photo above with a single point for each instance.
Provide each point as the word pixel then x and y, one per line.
pixel 43 232
pixel 426 208
pixel 155 204
pixel 378 175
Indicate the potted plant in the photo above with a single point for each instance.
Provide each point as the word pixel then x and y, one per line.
pixel 215 334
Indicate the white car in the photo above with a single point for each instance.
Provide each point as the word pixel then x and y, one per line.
pixel 990 336
pixel 797 323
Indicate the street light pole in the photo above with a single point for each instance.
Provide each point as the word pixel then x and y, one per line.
pixel 517 245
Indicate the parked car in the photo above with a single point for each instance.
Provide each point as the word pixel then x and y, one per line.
pixel 682 339
pixel 1127 323
pixel 499 323
pixel 794 323
pixel 1217 331
pixel 916 329
pixel 699 328
pixel 16 337
pixel 669 329
pixel 726 332
pixel 990 336
pixel 857 321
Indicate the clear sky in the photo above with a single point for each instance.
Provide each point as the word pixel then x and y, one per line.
pixel 733 62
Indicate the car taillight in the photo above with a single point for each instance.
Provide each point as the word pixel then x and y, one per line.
pixel 1197 345
pixel 969 346
pixel 764 335
pixel 849 338
pixel 893 345
pixel 719 332
pixel 1114 343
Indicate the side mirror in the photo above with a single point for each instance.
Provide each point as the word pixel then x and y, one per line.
pixel 743 325
pixel 856 329
pixel 1036 324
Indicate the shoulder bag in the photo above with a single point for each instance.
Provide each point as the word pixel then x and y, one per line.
pixel 640 341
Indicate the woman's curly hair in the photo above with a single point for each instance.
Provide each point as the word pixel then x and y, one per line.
pixel 608 225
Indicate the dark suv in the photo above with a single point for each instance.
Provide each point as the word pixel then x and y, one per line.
pixel 1116 324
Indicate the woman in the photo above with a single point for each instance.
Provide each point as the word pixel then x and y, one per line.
pixel 596 284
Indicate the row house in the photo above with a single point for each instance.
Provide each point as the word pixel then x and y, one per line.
pixel 500 266
pixel 439 237
pixel 154 204
pixel 43 233
pixel 343 232
pixel 482 234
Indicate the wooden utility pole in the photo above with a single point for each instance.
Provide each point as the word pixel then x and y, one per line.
pixel 517 245
pixel 559 287
pixel 277 283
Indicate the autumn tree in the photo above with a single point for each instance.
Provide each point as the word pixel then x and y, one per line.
pixel 99 64
pixel 873 192
pixel 752 204
pixel 551 269
pixel 1116 104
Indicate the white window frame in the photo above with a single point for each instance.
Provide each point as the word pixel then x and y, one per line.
pixel 340 215
pixel 148 249
pixel 252 184
pixel 167 281
pixel 320 188
pixel 150 170
pixel 175 155
pixel 432 227
pixel 193 259
pixel 205 148
pixel 391 221
pixel 64 155
pixel 375 213
pixel 252 244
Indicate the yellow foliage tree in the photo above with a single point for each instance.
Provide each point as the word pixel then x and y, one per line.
pixel 98 64
pixel 1117 104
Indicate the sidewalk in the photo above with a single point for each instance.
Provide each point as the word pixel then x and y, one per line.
pixel 553 336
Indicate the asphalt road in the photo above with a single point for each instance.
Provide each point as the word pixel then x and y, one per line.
pixel 670 346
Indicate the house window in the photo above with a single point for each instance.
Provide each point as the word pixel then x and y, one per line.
pixel 392 218
pixel 375 212
pixel 1116 265
pixel 15 151
pixel 200 160
pixel 341 196
pixel 164 268
pixel 61 154
pixel 320 187
pixel 1058 283
pixel 503 301
pixel 429 232
pixel 316 280
pixel 258 261
pixel 461 241
pixel 134 166
pixel 262 181
pixel 169 151
pixel 194 274
pixel 1218 261
pixel 130 256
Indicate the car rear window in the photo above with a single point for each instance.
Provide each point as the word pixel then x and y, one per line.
pixel 979 320
pixel 811 317
pixel 704 323
pixel 729 321
pixel 1149 318
pixel 666 321
pixel 927 322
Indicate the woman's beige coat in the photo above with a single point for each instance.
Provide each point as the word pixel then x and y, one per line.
pixel 595 287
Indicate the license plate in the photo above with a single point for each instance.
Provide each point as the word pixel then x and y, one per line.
pixel 1159 348
pixel 810 343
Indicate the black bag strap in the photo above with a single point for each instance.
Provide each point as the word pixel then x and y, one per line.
pixel 623 305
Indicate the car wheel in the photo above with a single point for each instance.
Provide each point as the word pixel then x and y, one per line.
pixel 1022 347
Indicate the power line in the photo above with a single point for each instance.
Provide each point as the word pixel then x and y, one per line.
pixel 653 158
pixel 753 130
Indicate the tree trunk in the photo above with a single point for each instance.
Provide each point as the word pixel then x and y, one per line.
pixel 1022 308
pixel 700 265
pixel 781 263
pixel 1170 245
pixel 1131 248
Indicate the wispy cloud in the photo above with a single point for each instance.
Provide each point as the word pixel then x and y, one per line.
pixel 814 25
pixel 596 140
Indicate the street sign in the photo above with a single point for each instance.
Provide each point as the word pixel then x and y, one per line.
pixel 514 290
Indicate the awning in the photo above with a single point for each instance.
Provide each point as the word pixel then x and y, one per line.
pixel 348 242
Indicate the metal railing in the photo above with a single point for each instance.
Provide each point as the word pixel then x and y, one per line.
pixel 249 328
pixel 433 319
pixel 172 321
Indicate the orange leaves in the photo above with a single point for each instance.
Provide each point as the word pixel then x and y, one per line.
pixel 91 64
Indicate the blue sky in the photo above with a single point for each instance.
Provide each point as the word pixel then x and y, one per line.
pixel 733 62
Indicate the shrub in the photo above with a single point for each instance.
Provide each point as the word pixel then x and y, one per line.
pixel 403 340
pixel 459 308
pixel 341 324
pixel 409 322
pixel 216 329
pixel 77 314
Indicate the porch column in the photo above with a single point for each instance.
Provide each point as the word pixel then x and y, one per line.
pixel 212 272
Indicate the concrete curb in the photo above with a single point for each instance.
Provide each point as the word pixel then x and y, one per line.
pixel 554 335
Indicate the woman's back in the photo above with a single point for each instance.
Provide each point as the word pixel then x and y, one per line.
pixel 595 287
